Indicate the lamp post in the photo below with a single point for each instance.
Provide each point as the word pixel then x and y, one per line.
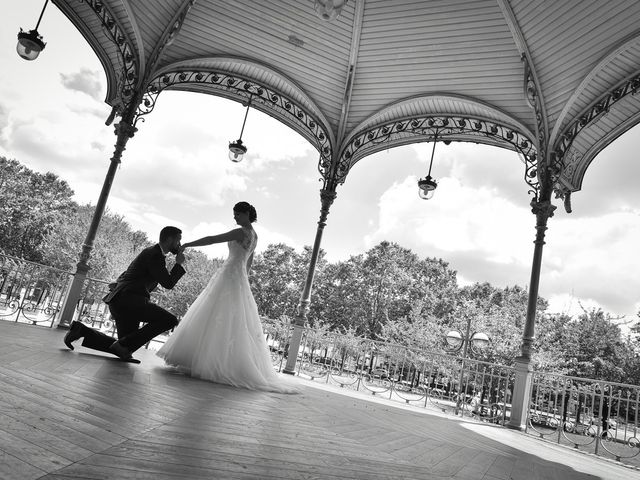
pixel 427 185
pixel 456 341
pixel 237 148
pixel 31 43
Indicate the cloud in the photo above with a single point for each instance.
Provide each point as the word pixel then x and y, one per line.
pixel 4 123
pixel 594 259
pixel 44 143
pixel 85 81
pixel 97 146
pixel 486 237
pixel 609 183
pixel 458 219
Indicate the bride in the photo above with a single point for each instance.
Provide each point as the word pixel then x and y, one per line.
pixel 220 337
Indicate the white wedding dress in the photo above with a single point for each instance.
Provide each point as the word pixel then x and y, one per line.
pixel 220 337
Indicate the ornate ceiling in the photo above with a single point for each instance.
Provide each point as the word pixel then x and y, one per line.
pixel 551 79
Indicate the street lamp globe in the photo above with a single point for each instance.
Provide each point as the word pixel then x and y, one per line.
pixel 30 44
pixel 237 151
pixel 426 187
pixel 454 339
pixel 479 340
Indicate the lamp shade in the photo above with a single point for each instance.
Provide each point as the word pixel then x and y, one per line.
pixel 30 44
pixel 479 340
pixel 237 151
pixel 454 339
pixel 426 187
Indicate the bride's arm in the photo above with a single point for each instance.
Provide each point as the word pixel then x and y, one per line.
pixel 236 234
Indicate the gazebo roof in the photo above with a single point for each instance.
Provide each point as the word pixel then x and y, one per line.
pixel 550 79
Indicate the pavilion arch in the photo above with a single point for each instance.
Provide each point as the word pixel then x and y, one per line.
pixel 446 117
pixel 240 79
pixel 595 116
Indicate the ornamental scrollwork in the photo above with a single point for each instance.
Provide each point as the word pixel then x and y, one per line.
pixel 441 127
pixel 564 153
pixel 128 78
pixel 599 108
pixel 532 95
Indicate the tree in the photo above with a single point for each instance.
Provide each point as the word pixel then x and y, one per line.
pixel 31 205
pixel 415 331
pixel 115 245
pixel 276 279
pixel 594 347
pixel 368 291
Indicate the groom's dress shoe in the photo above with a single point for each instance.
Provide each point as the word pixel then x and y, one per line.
pixel 130 360
pixel 119 350
pixel 74 333
pixel 123 352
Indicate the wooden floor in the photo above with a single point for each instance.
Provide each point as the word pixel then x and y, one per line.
pixel 70 415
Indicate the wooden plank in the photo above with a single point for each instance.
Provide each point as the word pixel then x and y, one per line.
pixel 30 453
pixel 41 438
pixel 13 468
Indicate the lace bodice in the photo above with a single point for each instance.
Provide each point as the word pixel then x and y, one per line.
pixel 239 251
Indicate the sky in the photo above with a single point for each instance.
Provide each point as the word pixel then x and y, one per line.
pixel 175 170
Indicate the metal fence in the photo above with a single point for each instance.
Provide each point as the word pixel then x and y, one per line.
pixel 594 416
pixel 33 293
pixel 469 388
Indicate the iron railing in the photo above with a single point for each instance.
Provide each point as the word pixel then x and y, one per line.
pixel 33 293
pixel 594 416
pixel 431 380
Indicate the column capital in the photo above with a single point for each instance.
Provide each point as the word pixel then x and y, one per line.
pixel 542 208
pixel 327 196
pixel 124 129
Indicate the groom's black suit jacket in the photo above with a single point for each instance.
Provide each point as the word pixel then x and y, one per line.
pixel 144 274
pixel 129 303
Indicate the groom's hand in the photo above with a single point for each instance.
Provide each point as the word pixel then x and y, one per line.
pixel 180 258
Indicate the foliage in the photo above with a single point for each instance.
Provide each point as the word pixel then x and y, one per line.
pixel 31 205
pixel 276 276
pixel 415 331
pixel 115 245
pixel 367 291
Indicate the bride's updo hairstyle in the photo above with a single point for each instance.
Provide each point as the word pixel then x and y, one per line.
pixel 246 207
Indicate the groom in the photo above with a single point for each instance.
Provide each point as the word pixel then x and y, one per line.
pixel 129 301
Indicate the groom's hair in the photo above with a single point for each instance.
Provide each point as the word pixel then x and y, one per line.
pixel 168 232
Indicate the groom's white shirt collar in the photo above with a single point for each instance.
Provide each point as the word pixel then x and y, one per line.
pixel 162 250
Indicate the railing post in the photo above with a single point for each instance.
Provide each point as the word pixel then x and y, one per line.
pixel 326 197
pixel 124 131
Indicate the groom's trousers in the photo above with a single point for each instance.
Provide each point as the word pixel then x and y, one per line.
pixel 129 311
